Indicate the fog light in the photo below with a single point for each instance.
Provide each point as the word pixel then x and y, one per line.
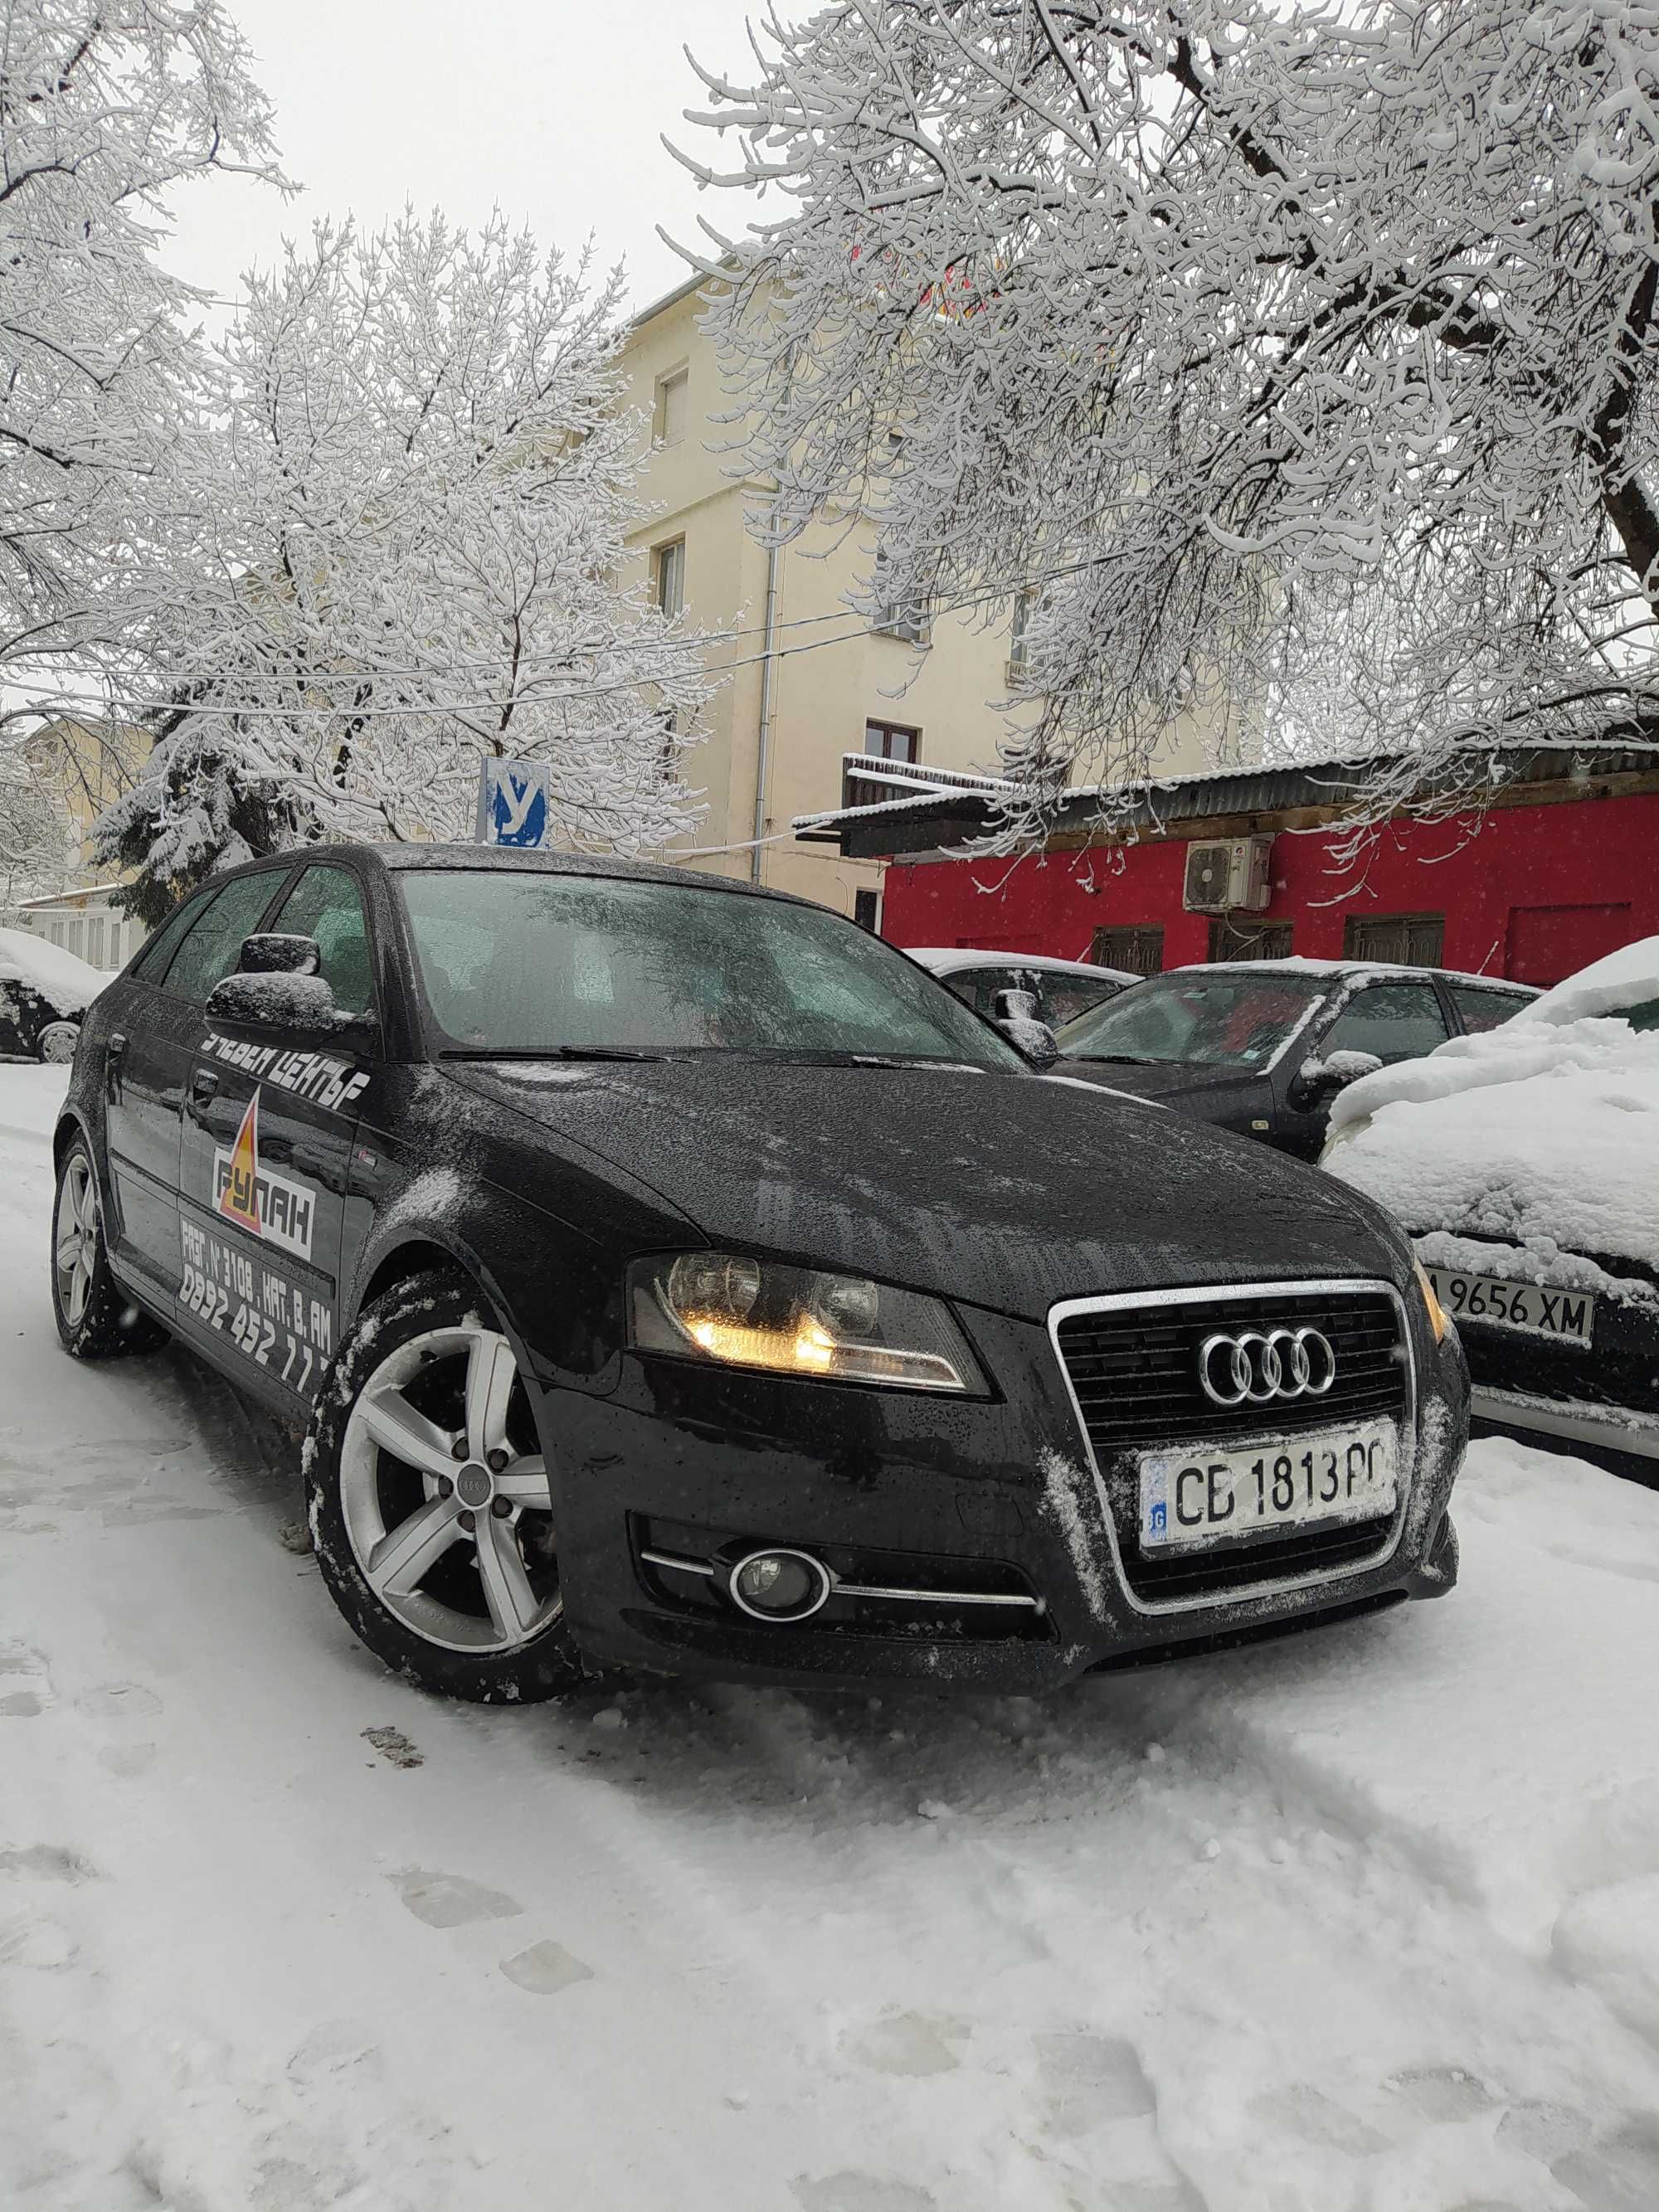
pixel 779 1585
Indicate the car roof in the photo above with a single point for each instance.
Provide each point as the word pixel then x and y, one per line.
pixel 946 959
pixel 1337 970
pixel 497 860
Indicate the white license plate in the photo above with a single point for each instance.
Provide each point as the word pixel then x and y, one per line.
pixel 1567 1316
pixel 1216 1495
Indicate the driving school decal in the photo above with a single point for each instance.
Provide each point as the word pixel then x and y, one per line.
pixel 256 1198
pixel 326 1081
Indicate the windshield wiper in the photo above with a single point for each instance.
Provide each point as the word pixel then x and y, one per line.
pixel 550 1052
pixel 1119 1059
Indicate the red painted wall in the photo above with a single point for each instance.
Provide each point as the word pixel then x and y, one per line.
pixel 1533 891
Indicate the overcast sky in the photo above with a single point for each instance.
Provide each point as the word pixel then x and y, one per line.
pixel 552 108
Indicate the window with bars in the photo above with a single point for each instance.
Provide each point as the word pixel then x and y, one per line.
pixel 1246 940
pixel 1404 940
pixel 1135 948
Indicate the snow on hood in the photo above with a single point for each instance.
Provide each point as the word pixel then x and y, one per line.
pixel 1542 1133
pixel 67 983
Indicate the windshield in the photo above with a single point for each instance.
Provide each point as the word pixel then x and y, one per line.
pixel 571 964
pixel 1213 1020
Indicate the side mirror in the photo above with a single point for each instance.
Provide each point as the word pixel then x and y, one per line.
pixel 277 954
pixel 1015 1013
pixel 1323 1079
pixel 302 1006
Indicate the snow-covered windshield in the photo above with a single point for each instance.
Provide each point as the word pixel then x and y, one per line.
pixel 1214 1020
pixel 61 977
pixel 550 963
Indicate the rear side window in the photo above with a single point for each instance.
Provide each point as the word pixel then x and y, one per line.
pixel 1064 997
pixel 1392 1021
pixel 213 944
pixel 151 964
pixel 327 903
pixel 1479 1010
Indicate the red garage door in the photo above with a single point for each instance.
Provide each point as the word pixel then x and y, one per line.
pixel 1547 943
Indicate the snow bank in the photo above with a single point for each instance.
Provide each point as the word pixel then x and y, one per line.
pixel 67 983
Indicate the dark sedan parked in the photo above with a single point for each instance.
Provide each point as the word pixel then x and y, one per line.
pixel 673 1274
pixel 1263 1046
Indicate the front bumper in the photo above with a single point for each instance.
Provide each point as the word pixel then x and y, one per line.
pixel 949 1502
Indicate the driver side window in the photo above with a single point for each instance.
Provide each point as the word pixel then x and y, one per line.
pixel 326 904
pixel 1390 1021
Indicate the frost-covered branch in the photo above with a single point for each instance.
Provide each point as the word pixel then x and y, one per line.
pixel 1299 355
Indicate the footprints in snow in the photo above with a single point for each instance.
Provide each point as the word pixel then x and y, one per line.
pixel 451 1900
pixel 34 1939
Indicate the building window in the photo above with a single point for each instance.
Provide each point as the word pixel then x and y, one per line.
pixel 670 561
pixel 1247 941
pixel 891 741
pixel 895 617
pixel 1404 940
pixel 865 909
pixel 1019 647
pixel 668 422
pixel 1137 949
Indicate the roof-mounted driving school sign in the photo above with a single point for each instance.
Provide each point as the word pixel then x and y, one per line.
pixel 512 807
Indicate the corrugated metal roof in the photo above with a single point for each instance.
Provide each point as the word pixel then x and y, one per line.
pixel 962 806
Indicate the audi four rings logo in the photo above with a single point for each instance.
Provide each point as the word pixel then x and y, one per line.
pixel 1255 1367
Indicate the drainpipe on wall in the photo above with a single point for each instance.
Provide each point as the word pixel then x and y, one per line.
pixel 763 747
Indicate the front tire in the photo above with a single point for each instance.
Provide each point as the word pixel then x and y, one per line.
pixel 430 1503
pixel 96 1318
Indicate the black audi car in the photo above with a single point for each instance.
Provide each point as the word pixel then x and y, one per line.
pixel 1263 1047
pixel 671 1274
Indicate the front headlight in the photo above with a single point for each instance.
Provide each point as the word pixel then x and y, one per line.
pixel 740 1312
pixel 1439 1319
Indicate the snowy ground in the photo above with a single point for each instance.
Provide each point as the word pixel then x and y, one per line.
pixel 1365 1923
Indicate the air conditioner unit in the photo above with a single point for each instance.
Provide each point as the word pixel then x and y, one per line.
pixel 1228 876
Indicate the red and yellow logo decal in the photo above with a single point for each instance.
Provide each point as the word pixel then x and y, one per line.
pixel 239 1199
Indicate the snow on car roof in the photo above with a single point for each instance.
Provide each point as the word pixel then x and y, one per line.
pixel 1298 965
pixel 944 959
pixel 70 982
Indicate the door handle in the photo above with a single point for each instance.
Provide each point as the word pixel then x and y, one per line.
pixel 204 1086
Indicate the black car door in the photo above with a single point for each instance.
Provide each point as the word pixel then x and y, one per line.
pixel 268 1132
pixel 1396 1018
pixel 155 1021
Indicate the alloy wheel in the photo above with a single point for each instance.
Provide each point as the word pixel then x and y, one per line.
pixel 450 1521
pixel 56 1042
pixel 76 1252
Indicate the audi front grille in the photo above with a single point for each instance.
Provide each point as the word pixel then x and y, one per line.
pixel 1135 1367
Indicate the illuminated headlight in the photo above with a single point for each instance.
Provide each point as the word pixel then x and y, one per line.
pixel 739 1312
pixel 1439 1319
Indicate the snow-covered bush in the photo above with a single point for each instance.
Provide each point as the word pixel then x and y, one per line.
pixel 1278 346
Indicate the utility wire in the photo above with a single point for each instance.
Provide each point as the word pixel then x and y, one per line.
pixel 573 696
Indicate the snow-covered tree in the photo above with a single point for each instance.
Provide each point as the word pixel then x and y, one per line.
pixel 1297 348
pixel 400 522
pixel 105 105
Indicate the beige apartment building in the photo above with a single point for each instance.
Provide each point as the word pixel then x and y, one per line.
pixel 772 743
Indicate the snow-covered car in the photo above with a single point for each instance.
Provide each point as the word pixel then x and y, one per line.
pixel 671 1275
pixel 1263 1047
pixel 44 992
pixel 1062 988
pixel 1525 1164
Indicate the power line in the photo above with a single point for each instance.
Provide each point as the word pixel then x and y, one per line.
pixel 573 697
